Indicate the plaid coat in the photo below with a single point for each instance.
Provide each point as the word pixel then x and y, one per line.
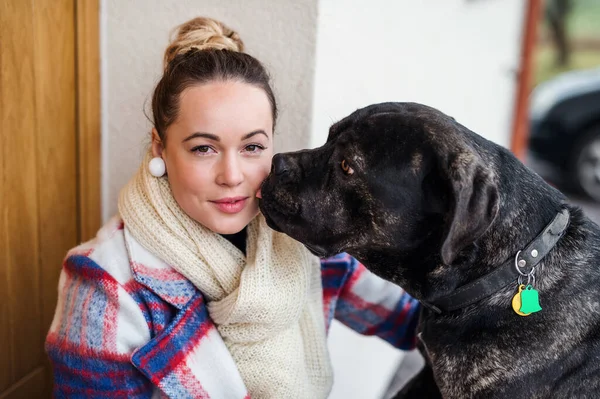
pixel 128 326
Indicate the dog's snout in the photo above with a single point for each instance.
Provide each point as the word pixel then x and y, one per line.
pixel 280 165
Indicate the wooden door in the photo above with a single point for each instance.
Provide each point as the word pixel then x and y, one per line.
pixel 44 137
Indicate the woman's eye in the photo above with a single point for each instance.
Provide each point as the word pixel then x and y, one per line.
pixel 346 168
pixel 254 148
pixel 202 149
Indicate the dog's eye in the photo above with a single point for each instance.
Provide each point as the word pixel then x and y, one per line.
pixel 346 168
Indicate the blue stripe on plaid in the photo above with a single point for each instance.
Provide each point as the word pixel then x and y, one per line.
pixel 340 256
pixel 399 328
pixel 89 273
pixel 169 288
pixel 161 313
pixel 173 387
pixel 359 320
pixel 336 270
pixel 78 309
pixel 334 276
pixel 163 353
pixel 139 296
pixel 67 303
pixel 87 267
pixel 113 377
pixel 95 321
pixel 84 274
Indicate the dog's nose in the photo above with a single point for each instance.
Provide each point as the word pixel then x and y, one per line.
pixel 280 165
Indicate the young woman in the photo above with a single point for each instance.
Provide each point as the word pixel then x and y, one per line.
pixel 187 293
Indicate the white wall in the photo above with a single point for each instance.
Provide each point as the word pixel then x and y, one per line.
pixel 134 36
pixel 327 58
pixel 459 56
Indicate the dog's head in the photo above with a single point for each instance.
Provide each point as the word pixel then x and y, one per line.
pixel 393 178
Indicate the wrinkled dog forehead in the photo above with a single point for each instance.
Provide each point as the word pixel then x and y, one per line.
pixel 400 136
pixel 378 137
pixel 407 115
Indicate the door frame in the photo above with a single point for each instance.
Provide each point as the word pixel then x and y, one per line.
pixel 89 148
pixel 520 130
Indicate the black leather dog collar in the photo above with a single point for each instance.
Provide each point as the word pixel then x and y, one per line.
pixel 526 260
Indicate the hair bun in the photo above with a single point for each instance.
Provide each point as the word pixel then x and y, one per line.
pixel 202 34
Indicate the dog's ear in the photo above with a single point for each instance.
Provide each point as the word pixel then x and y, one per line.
pixel 473 203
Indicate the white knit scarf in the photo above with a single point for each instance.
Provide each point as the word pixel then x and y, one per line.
pixel 267 306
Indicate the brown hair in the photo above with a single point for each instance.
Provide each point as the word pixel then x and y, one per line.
pixel 204 50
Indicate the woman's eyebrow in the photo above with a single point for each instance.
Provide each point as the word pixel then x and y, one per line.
pixel 204 135
pixel 214 137
pixel 254 133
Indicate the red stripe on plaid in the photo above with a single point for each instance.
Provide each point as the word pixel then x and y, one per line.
pixel 109 330
pixel 93 393
pixel 360 304
pixel 158 306
pixel 401 319
pixel 79 251
pixel 60 316
pixel 90 375
pixel 190 382
pixel 356 275
pixel 328 273
pixel 159 274
pixel 54 340
pixel 131 287
pixel 329 295
pixel 177 300
pixel 106 364
pixel 84 316
pixel 181 354
pixel 74 293
pixel 88 252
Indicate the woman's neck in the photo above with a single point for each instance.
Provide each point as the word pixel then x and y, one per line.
pixel 238 239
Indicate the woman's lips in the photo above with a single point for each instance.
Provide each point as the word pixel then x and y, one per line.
pixel 231 205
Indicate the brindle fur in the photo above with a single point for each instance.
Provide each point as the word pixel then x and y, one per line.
pixel 432 206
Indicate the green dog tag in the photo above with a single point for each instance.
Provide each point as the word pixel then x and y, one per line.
pixel 530 300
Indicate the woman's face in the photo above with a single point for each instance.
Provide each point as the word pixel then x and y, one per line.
pixel 218 152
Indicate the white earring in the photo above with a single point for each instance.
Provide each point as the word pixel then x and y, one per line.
pixel 157 167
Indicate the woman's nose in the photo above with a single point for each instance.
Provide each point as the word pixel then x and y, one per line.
pixel 230 172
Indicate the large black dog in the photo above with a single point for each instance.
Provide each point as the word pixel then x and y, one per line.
pixel 464 227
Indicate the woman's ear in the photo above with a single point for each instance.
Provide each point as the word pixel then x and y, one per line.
pixel 157 144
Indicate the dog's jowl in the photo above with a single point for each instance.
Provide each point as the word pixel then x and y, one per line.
pixel 507 271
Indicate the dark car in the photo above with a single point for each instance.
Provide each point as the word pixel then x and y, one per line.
pixel 565 128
